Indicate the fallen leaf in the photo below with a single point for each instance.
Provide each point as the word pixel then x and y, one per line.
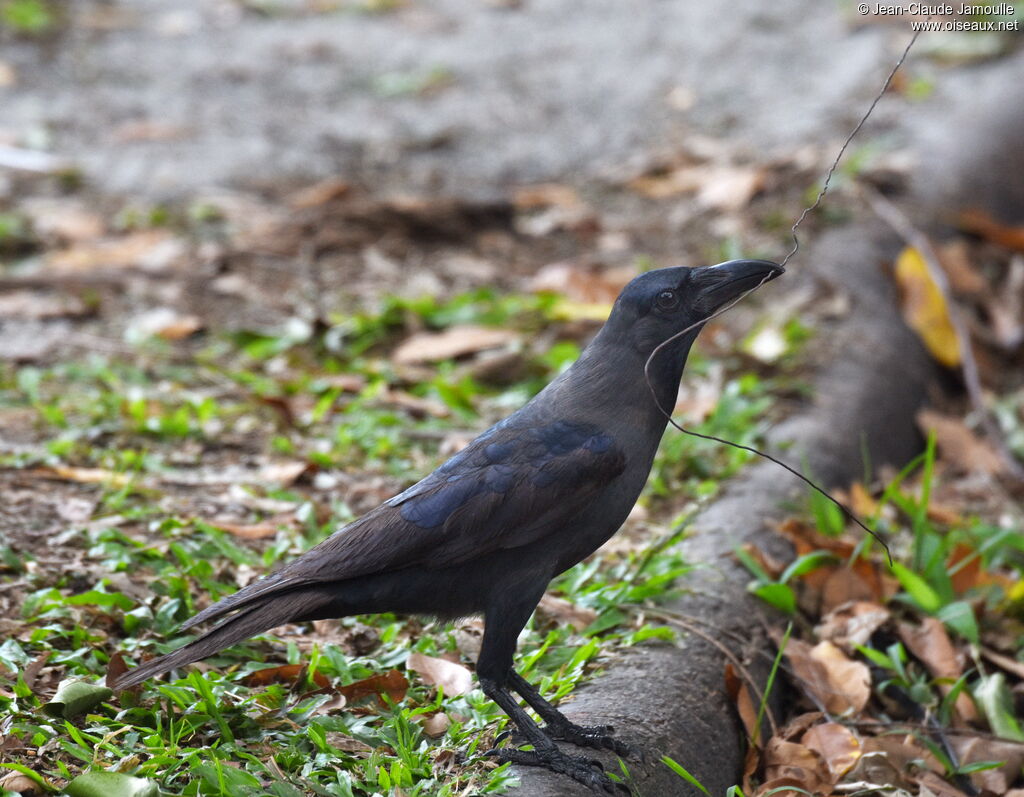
pixel 453 678
pixel 719 187
pixel 924 308
pixel 102 783
pixel 319 193
pixel 958 445
pixel 281 473
pixel 580 283
pixel 1006 308
pixel 978 222
pixel 436 725
pixel 19 783
pixel 937 785
pixel 454 342
pixel 836 744
pixel 85 475
pixel 148 130
pixel 391 683
pixel 964 277
pixel 852 624
pixel 150 250
pixel 8 77
pixel 843 585
pixel 285 674
pixel 31 671
pixel 973 750
pixel 254 531
pixel 1005 662
pixel 64 219
pixel 74 697
pixel 834 680
pixel 861 501
pixel 793 764
pixel 116 667
pixel 563 611
pixel 36 306
pixel 739 693
pixel 543 195
pixel 162 322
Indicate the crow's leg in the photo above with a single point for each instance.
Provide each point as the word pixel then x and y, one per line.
pixel 558 726
pixel 504 621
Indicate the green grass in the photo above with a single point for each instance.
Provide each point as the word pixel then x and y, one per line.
pixel 147 554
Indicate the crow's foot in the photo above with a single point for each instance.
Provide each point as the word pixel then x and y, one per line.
pixel 597 736
pixel 583 770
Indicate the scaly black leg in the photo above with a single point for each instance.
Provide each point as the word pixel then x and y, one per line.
pixel 545 752
pixel 504 621
pixel 561 728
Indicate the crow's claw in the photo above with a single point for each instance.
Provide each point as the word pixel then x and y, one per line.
pixel 583 770
pixel 596 736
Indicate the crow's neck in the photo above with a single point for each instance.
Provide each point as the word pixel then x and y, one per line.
pixel 608 382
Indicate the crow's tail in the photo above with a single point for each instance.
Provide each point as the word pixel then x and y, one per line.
pixel 273 611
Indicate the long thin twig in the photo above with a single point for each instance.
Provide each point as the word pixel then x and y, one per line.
pixel 898 221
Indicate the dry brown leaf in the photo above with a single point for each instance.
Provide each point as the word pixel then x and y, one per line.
pixel 792 764
pixel 925 309
pixel 852 623
pixel 581 284
pixel 436 725
pixel 84 475
pixel 151 250
pixel 116 667
pixel 31 671
pixel 844 585
pixel 454 342
pixel 281 473
pixel 739 693
pixel 391 683
pixel 980 223
pixel 180 327
pixel 861 501
pixel 958 445
pixel 253 531
pixel 930 643
pixel 148 130
pixel 972 750
pixel 18 783
pixel 1006 308
pixel 563 611
pixel 64 219
pixel 544 195
pixel 414 405
pixel 719 187
pixel 1005 662
pixel 835 681
pixel 319 194
pixel 8 75
pixel 836 744
pixel 937 785
pixel 698 396
pixel 453 678
pixel 285 674
pixel 36 306
pixel 964 277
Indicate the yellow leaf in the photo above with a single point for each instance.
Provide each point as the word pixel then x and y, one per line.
pixel 924 308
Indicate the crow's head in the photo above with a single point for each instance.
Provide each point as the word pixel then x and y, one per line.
pixel 661 303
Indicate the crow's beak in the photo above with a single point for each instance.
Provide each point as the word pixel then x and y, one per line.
pixel 723 283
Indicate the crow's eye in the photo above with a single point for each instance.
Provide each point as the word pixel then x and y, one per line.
pixel 667 300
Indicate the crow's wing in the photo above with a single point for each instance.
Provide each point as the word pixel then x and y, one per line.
pixel 511 486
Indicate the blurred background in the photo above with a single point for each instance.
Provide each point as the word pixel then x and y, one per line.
pixel 263 263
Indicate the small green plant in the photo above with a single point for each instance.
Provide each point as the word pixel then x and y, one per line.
pixel 28 16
